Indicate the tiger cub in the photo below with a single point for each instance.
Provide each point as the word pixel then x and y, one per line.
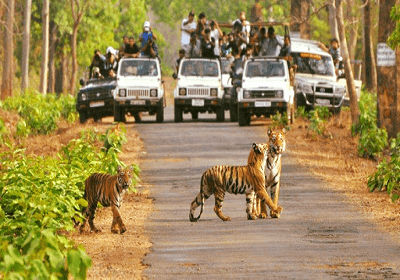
pixel 108 190
pixel 273 168
pixel 246 180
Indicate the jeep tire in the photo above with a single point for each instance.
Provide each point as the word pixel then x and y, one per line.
pixel 160 113
pixel 233 111
pixel 195 115
pixel 243 117
pixel 82 116
pixel 119 114
pixel 178 114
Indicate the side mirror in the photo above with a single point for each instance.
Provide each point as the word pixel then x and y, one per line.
pixel 174 76
pixel 81 82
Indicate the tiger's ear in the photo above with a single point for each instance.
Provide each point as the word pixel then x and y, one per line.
pixel 119 168
pixel 284 130
pixel 256 148
pixel 269 132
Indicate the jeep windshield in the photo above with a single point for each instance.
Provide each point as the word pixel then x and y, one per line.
pixel 308 63
pixel 265 69
pixel 200 68
pixel 138 68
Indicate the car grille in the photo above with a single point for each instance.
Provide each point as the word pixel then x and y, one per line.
pixel 98 94
pixel 262 94
pixel 324 89
pixel 198 91
pixel 334 101
pixel 138 92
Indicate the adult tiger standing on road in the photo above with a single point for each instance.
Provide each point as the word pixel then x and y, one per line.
pixel 108 190
pixel 248 180
pixel 273 168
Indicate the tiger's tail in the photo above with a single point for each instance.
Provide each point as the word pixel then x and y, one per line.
pixel 194 205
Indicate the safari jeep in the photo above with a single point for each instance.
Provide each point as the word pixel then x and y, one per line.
pixel 199 88
pixel 139 89
pixel 265 90
pixel 315 81
pixel 95 99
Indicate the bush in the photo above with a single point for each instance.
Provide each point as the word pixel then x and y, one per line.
pixel 387 175
pixel 39 197
pixel 318 118
pixel 41 113
pixel 279 120
pixel 373 140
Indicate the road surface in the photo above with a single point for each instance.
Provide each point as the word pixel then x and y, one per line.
pixel 319 235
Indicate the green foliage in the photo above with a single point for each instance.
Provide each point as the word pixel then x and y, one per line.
pixel 279 120
pixel 318 118
pixel 3 131
pixel 373 140
pixel 301 112
pixel 394 38
pixel 40 114
pixel 39 196
pixel 387 175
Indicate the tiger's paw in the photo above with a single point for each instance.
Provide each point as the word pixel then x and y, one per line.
pixel 277 212
pixel 225 219
pixel 96 230
pixel 263 215
pixel 122 230
pixel 251 217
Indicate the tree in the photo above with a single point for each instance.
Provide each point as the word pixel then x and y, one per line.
pixel 8 76
pixel 300 12
pixel 78 9
pixel 332 19
pixel 369 61
pixel 25 46
pixel 346 61
pixel 45 47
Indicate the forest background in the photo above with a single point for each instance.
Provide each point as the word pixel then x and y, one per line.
pixel 99 24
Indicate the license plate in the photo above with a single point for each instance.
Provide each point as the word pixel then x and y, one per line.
pixel 198 102
pixel 262 104
pixel 138 102
pixel 97 104
pixel 323 101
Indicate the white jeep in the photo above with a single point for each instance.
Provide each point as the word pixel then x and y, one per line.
pixel 140 88
pixel 199 88
pixel 315 81
pixel 265 90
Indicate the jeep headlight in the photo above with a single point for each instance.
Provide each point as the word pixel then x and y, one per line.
pixel 307 88
pixel 182 91
pixel 83 96
pixel 153 93
pixel 246 94
pixel 122 92
pixel 340 90
pixel 214 92
pixel 279 93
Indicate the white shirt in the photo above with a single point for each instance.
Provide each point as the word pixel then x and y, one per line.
pixel 215 34
pixel 185 39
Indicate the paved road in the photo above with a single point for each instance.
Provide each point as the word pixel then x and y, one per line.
pixel 319 236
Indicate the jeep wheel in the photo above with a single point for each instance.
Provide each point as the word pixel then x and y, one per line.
pixel 220 114
pixel 195 115
pixel 244 117
pixel 233 111
pixel 137 117
pixel 178 114
pixel 82 116
pixel 160 114
pixel 119 114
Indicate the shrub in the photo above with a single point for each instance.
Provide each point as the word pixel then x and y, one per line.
pixel 318 117
pixel 279 120
pixel 39 197
pixel 387 175
pixel 373 140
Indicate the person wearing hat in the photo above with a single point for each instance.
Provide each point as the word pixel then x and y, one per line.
pixel 146 35
pixel 188 26
pixel 270 43
pixel 217 34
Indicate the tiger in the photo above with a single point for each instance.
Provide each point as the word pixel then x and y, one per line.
pixel 248 180
pixel 273 168
pixel 108 190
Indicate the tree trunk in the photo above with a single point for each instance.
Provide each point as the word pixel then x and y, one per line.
pixel 347 66
pixel 25 45
pixel 74 58
pixel 332 19
pixel 352 29
pixel 7 79
pixel 369 57
pixel 45 47
pixel 52 56
pixel 299 13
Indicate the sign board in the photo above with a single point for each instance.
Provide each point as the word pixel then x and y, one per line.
pixel 385 55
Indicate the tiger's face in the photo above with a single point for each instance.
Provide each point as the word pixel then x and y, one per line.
pixel 258 153
pixel 277 140
pixel 124 176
